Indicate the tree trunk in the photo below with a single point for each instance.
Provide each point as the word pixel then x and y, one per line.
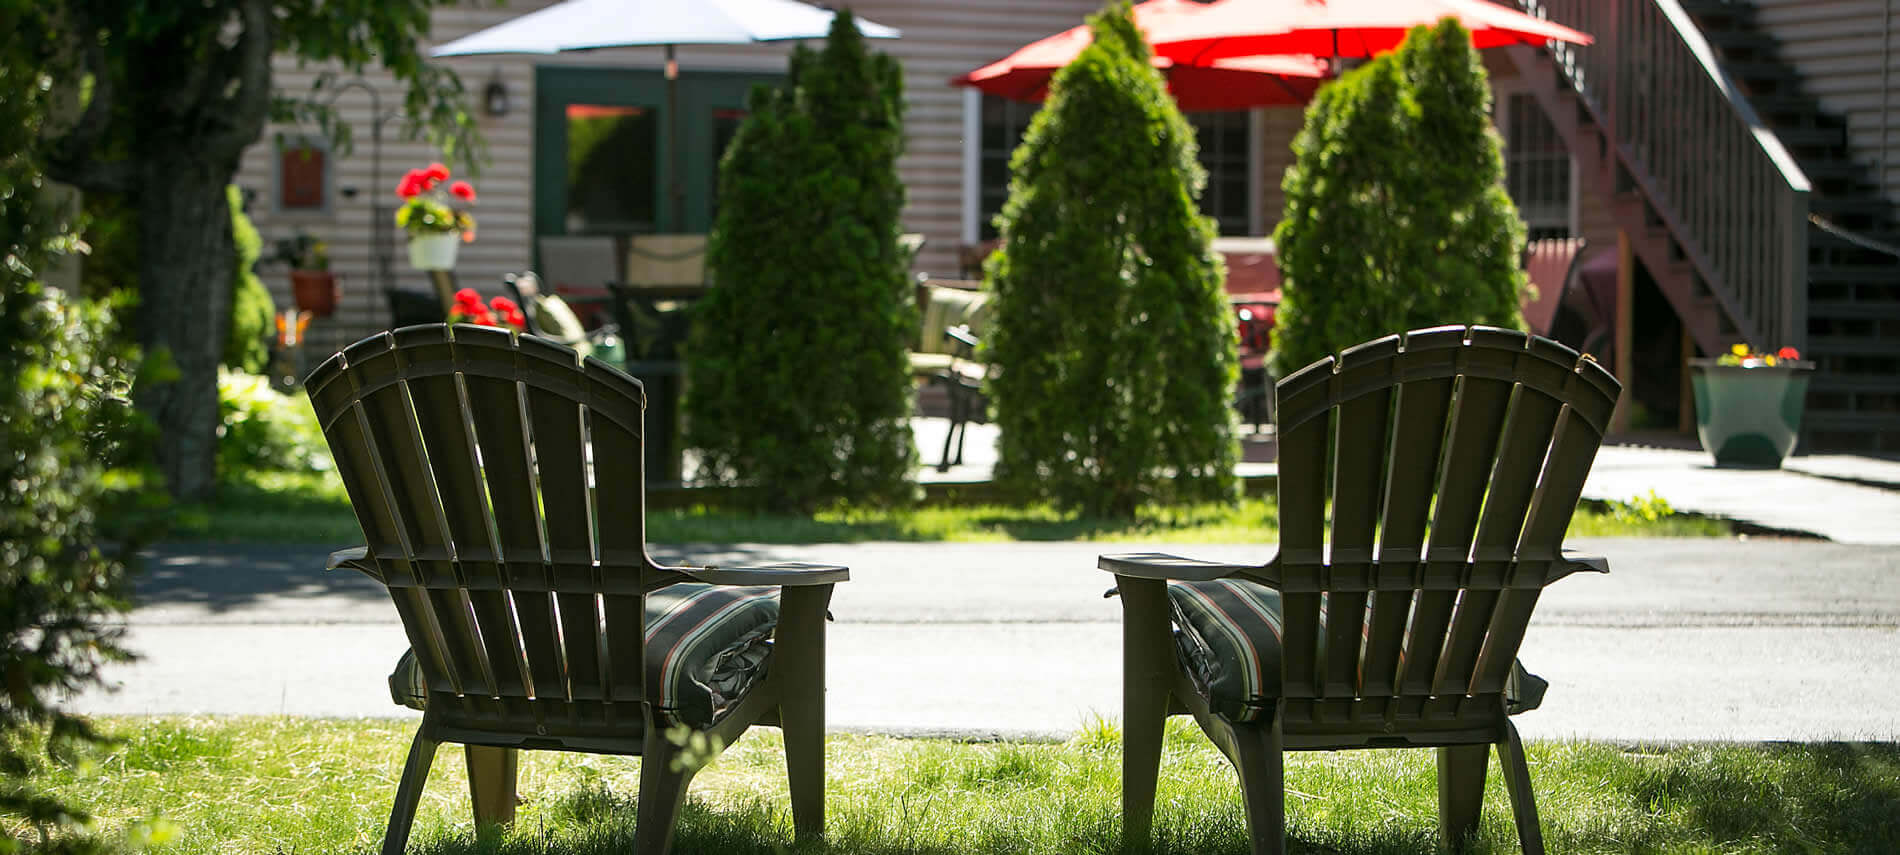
pixel 185 274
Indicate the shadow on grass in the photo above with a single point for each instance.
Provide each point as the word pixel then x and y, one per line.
pixel 1797 799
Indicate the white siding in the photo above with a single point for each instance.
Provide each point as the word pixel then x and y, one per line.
pixel 941 40
pixel 1845 52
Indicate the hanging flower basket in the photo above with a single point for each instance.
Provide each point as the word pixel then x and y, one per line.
pixel 434 251
pixel 1748 406
pixel 434 214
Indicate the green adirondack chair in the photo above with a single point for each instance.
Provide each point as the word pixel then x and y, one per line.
pixel 498 483
pixel 1426 481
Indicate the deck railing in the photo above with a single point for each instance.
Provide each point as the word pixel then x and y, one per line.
pixel 1718 178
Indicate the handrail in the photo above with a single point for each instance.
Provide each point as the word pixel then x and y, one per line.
pixel 1719 179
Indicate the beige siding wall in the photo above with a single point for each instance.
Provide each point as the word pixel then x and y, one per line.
pixel 940 40
pixel 1846 51
pixel 1278 127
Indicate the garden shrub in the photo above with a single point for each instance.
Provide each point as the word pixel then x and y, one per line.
pixel 1110 329
pixel 266 429
pixel 1396 212
pixel 63 383
pixel 252 311
pixel 797 379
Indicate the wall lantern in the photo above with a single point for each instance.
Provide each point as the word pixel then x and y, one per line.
pixel 495 96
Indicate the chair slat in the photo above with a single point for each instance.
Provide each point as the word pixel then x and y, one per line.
pixel 446 433
pixel 1509 620
pixel 1468 625
pixel 1391 610
pixel 494 406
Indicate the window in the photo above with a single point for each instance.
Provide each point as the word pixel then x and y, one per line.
pixel 612 174
pixel 1226 143
pixel 302 177
pixel 1536 167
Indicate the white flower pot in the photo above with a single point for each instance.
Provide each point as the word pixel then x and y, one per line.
pixel 434 251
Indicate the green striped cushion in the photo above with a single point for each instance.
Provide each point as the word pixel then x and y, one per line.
pixel 1227 635
pixel 706 647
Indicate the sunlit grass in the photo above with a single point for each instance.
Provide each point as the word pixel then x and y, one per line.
pixel 282 507
pixel 284 785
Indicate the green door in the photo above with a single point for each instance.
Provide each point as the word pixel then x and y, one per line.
pixel 601 148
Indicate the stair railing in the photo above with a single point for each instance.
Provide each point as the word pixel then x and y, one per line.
pixel 1719 180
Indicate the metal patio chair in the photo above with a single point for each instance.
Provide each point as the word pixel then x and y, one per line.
pixel 498 483
pixel 1425 484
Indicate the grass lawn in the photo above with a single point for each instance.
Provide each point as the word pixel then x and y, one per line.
pixel 278 507
pixel 287 785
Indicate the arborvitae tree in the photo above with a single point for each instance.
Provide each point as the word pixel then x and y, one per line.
pixel 1396 212
pixel 252 310
pixel 797 379
pixel 1111 332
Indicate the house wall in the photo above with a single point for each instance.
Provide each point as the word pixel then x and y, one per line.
pixel 1845 51
pixel 940 41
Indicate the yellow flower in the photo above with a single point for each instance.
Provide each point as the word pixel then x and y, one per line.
pixel 1739 350
pixel 1768 360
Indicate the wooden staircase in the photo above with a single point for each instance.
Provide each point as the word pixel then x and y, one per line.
pixel 1713 158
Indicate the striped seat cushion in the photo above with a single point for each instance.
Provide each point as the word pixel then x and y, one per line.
pixel 706 646
pixel 1227 637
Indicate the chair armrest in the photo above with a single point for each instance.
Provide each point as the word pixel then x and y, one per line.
pixel 791 573
pixel 965 339
pixel 1163 567
pixel 1585 563
pixel 355 558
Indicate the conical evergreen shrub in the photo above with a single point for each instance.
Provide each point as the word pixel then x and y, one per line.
pixel 797 379
pixel 1396 212
pixel 1111 334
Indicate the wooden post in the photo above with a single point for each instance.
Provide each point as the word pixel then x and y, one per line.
pixel 1685 410
pixel 1625 339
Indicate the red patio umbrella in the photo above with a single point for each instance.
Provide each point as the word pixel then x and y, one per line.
pixel 1338 28
pixel 1232 83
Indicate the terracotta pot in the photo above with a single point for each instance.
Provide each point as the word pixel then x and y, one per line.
pixel 316 291
pixel 434 251
pixel 1749 416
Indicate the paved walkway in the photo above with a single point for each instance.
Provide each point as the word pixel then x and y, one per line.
pixel 1842 498
pixel 1686 639
pixel 1754 639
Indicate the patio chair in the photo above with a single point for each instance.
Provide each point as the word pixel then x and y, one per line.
pixel 498 483
pixel 945 355
pixel 1426 481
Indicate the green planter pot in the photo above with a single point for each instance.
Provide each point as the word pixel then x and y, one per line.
pixel 1749 416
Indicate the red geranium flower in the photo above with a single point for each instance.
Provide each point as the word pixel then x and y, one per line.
pixel 462 190
pixel 410 185
pixel 435 174
pixel 1787 353
pixel 467 298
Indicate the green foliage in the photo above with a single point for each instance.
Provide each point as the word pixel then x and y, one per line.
pixel 797 375
pixel 252 310
pixel 1111 332
pixel 1396 212
pixel 266 429
pixel 62 385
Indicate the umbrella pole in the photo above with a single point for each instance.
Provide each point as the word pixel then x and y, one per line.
pixel 676 187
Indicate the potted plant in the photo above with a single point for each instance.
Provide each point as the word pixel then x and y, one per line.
pixel 1748 404
pixel 434 213
pixel 312 286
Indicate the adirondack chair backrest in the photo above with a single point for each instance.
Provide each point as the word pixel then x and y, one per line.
pixel 1430 477
pixel 499 488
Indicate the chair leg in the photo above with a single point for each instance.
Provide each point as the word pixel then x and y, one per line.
pixel 414 772
pixel 799 653
pixel 1461 771
pixel 1147 677
pixel 1260 758
pixel 491 783
pixel 954 393
pixel 662 792
pixel 1517 782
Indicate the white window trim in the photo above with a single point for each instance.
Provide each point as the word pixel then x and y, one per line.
pixel 972 163
pixel 972 189
pixel 289 142
pixel 1501 92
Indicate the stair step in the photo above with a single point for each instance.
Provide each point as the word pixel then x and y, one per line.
pixel 1811 137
